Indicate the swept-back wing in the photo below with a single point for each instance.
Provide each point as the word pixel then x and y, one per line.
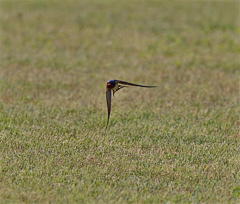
pixel 108 99
pixel 132 84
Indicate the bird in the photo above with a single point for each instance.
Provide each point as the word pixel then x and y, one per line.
pixel 112 87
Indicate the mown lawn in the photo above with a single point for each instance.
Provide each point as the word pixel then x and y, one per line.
pixel 178 143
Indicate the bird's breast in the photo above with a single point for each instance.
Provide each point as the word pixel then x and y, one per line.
pixel 115 88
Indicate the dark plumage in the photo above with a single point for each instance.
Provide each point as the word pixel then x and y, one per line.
pixel 115 85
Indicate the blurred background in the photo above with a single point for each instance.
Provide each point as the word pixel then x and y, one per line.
pixel 56 57
pixel 63 52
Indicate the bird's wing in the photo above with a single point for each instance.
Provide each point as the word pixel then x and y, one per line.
pixel 131 84
pixel 109 99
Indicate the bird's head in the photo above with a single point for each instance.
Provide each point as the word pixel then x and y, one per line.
pixel 111 84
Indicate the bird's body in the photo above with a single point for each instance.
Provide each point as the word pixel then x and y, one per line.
pixel 115 85
pixel 112 85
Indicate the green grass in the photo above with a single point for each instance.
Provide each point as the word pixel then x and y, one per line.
pixel 178 143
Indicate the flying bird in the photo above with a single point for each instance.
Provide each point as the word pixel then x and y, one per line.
pixel 112 87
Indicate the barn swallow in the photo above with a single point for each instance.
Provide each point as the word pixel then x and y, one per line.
pixel 112 87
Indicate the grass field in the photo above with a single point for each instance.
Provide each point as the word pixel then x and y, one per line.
pixel 178 143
